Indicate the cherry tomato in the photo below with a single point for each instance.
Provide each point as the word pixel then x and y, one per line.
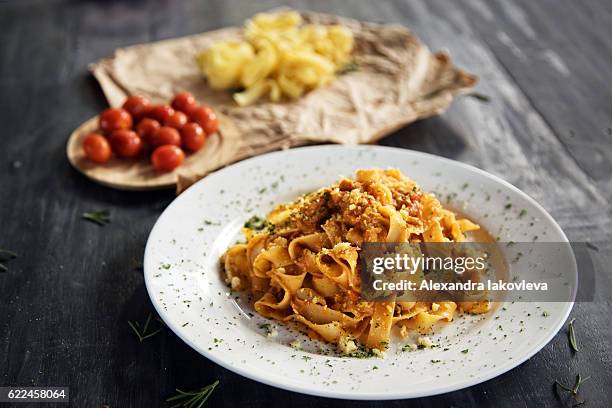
pixel 115 119
pixel 137 106
pixel 146 128
pixel 177 120
pixel 160 113
pixel 126 143
pixel 167 158
pixel 184 102
pixel 97 148
pixel 207 118
pixel 165 135
pixel 193 136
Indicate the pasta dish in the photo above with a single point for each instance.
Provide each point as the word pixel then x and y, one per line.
pixel 301 263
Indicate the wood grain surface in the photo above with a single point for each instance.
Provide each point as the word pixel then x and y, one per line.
pixel 66 300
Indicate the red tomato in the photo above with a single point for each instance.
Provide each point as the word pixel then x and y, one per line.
pixel 193 136
pixel 165 135
pixel 167 158
pixel 126 143
pixel 207 118
pixel 184 102
pixel 177 120
pixel 137 106
pixel 97 148
pixel 115 119
pixel 146 128
pixel 160 113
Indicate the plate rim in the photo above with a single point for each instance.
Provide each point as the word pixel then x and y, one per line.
pixel 329 393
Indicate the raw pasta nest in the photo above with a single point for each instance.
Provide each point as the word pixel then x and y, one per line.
pixel 301 264
pixel 279 57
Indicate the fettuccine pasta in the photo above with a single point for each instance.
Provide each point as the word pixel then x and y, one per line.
pixel 301 265
pixel 278 57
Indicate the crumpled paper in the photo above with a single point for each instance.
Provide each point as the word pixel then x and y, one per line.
pixel 397 81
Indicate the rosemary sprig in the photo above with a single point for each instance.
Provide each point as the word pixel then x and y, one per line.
pixel 573 391
pixel 6 256
pixel 144 333
pixel 193 399
pixel 101 217
pixel 571 334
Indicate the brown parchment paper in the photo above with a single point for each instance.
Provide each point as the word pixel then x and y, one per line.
pixel 398 81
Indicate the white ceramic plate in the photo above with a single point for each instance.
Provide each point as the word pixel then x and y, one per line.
pixel 183 279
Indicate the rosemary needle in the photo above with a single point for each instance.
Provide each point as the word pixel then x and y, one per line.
pixel 480 97
pixel 6 255
pixel 571 334
pixel 101 217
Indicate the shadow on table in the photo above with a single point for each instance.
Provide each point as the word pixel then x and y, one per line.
pixel 432 135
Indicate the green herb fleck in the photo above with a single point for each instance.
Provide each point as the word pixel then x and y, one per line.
pixel 256 223
pixel 465 351
pixel 362 352
pixel 267 327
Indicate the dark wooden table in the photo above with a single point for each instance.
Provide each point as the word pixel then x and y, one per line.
pixel 66 300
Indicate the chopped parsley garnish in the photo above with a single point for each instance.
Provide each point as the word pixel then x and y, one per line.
pixel 256 223
pixel 362 352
